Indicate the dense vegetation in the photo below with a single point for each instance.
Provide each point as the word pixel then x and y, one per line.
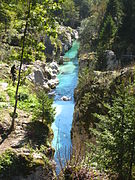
pixel 24 25
pixel 110 27
pixel 104 100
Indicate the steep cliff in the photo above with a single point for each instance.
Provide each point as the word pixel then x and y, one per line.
pixel 93 90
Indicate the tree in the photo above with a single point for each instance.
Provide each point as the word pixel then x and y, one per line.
pixel 44 109
pixel 108 30
pixel 89 28
pixel 70 14
pixel 115 135
pixel 110 23
pixel 107 34
pixel 124 44
pixel 40 18
pixel 85 9
pixel 19 76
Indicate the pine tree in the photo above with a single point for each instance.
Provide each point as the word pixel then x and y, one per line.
pixel 125 41
pixel 112 18
pixel 115 135
pixel 108 33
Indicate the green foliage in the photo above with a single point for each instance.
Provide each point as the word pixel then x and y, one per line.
pixel 115 135
pixel 89 28
pixel 124 43
pixel 85 78
pixel 87 33
pixel 12 165
pixel 70 13
pixel 76 11
pixel 85 9
pixel 108 31
pixel 42 21
pixel 27 101
pixel 2 96
pixel 107 34
pixel 44 109
pixel 114 9
pixel 110 24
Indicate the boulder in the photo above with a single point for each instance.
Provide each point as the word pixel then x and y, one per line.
pixel 38 77
pixel 61 60
pixel 46 87
pixel 45 74
pixel 65 98
pixel 111 61
pixel 52 93
pixel 54 71
pixel 54 65
pixel 52 83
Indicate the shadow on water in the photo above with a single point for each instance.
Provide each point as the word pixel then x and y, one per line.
pixel 68 77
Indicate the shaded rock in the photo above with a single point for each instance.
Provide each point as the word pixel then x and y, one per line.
pixel 61 60
pixel 38 77
pixel 111 61
pixel 49 48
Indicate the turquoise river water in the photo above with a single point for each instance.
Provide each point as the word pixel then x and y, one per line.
pixel 68 77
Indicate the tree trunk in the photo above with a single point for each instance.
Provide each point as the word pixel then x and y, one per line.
pixel 19 75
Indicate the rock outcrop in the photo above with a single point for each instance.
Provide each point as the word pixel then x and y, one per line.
pixel 65 98
pixel 24 155
pixel 44 74
pixel 96 88
pixel 66 36
pixel 111 60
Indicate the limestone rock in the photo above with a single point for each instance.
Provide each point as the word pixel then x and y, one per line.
pixel 111 61
pixel 54 66
pixel 53 83
pixel 45 74
pixel 38 77
pixel 65 98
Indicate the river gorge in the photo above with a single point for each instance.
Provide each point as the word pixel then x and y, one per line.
pixel 68 76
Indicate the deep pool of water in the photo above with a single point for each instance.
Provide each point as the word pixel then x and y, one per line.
pixel 64 109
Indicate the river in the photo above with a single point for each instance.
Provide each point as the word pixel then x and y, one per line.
pixel 68 77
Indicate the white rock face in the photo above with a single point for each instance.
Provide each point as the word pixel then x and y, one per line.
pixel 45 75
pixel 52 83
pixel 111 61
pixel 67 35
pixel 54 66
